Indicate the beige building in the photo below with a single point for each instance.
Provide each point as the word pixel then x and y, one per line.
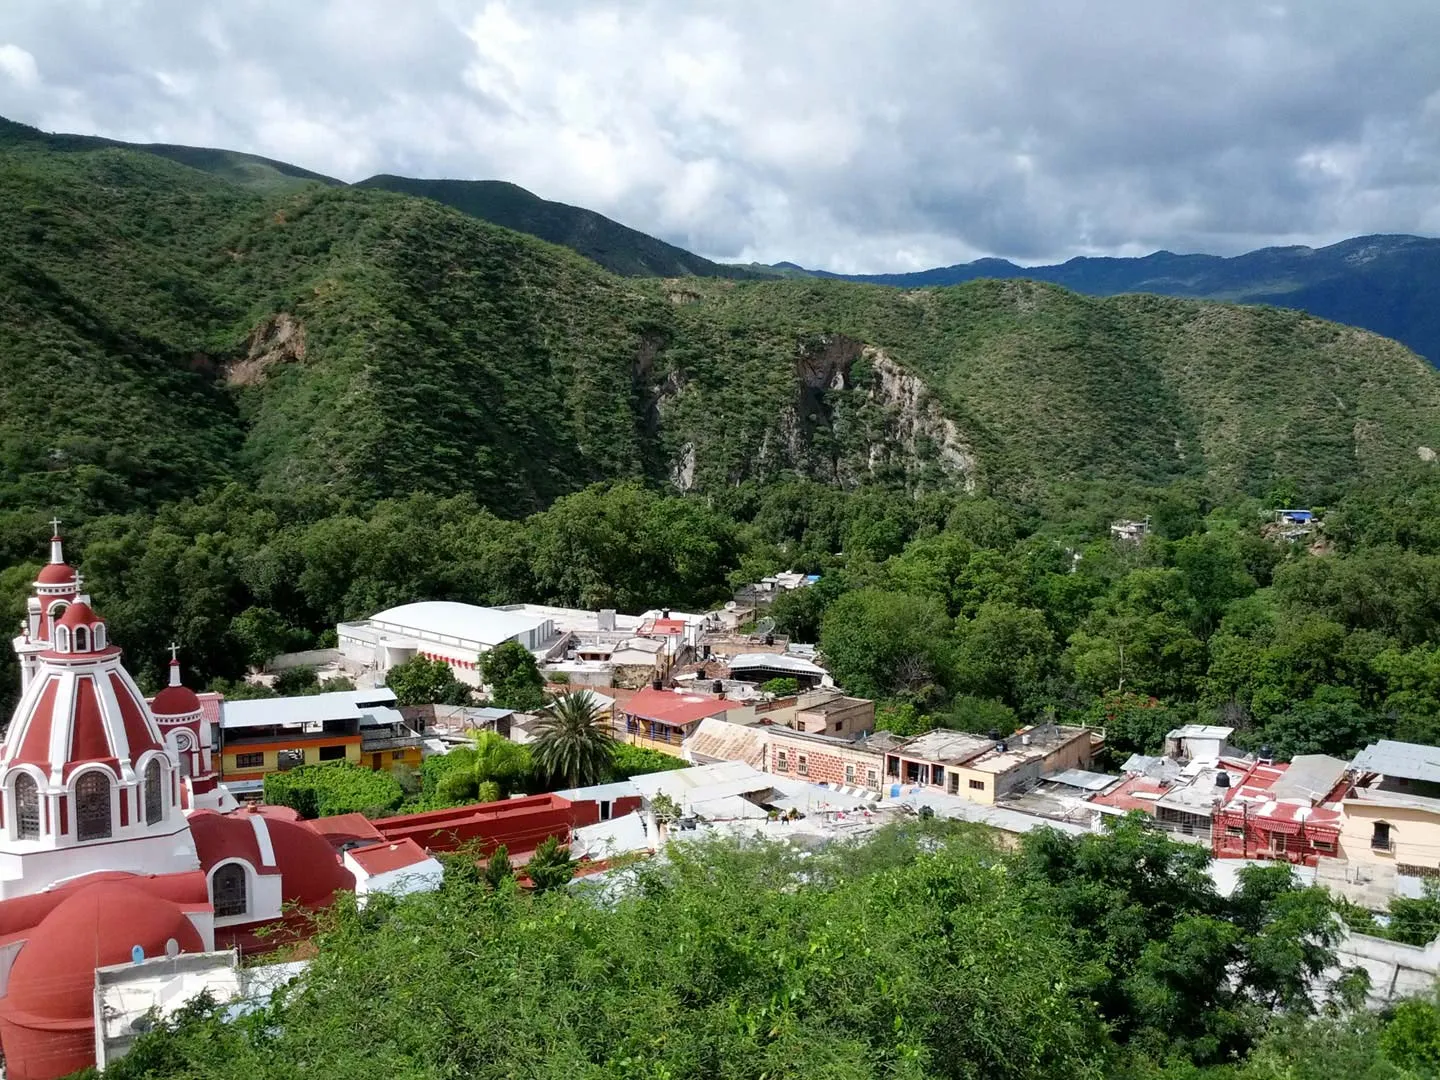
pixel 1393 830
pixel 979 768
pixel 828 711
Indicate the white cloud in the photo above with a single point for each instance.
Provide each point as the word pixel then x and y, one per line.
pixel 19 66
pixel 836 133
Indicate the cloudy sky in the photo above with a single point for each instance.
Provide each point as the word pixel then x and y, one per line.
pixel 851 134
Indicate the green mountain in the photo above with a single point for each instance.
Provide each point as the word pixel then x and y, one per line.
pixel 164 327
pixel 1381 283
pixel 247 170
pixel 619 249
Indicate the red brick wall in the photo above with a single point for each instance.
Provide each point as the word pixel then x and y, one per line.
pixel 823 764
pixel 1258 842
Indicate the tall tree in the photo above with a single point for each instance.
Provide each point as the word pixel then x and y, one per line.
pixel 513 677
pixel 574 739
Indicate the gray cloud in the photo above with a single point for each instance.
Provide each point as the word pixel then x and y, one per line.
pixel 836 133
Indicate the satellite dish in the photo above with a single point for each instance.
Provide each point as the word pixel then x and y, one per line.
pixel 765 626
pixel 730 605
pixel 137 955
pixel 172 947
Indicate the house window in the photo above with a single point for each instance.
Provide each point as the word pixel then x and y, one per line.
pixel 977 785
pixel 1323 845
pixel 604 809
pixel 289 759
pixel 328 753
pixel 27 806
pixel 849 774
pixel 937 775
pixel 1380 839
pixel 249 761
pixel 227 891
pixel 154 796
pixel 397 755
pixel 62 639
pixel 802 766
pixel 82 639
pixel 92 807
pixel 839 725
pixel 871 778
pixel 1234 830
pixel 782 761
pixel 1277 843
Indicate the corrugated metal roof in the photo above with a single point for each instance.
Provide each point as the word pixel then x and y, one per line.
pixel 720 740
pixel 1409 761
pixel 311 708
pixel 1080 778
pixel 775 662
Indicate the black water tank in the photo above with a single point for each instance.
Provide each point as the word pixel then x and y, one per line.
pixel 717 687
pixel 994 734
pixel 657 684
pixel 1222 779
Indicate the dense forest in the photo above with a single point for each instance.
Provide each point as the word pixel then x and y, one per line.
pixel 927 951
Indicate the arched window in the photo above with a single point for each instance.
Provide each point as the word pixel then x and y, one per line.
pixel 62 639
pixel 227 890
pixel 27 807
pixel 154 793
pixel 82 639
pixel 92 806
pixel 99 635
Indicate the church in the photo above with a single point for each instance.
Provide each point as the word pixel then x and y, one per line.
pixel 116 835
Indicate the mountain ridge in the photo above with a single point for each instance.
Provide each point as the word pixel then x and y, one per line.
pixel 168 329
pixel 1380 282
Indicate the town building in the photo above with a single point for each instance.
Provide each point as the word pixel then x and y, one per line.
pixel 663 719
pixel 760 667
pixel 457 634
pixel 264 735
pixel 394 868
pixel 1392 814
pixel 824 759
pixel 983 768
pixel 1286 811
pixel 828 711
pixel 106 844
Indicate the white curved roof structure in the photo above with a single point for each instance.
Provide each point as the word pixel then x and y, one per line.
pixel 467 623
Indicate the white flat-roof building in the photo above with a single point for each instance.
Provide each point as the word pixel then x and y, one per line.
pixel 443 630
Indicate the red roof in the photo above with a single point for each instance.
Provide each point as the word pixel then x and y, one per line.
pixel 384 857
pixel 668 626
pixel 55 574
pixel 1129 794
pixel 342 829
pixel 674 709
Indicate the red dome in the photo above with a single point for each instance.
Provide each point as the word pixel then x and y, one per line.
pixel 78 614
pixel 310 873
pixel 54 976
pixel 55 574
pixel 175 701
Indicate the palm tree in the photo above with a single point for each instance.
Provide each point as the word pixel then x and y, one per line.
pixel 574 739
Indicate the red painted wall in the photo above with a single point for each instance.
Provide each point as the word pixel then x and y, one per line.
pixel 520 824
pixel 587 812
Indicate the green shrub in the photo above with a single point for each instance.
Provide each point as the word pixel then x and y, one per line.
pixel 334 788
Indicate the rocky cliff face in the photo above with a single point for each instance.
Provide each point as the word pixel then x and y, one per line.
pixel 852 413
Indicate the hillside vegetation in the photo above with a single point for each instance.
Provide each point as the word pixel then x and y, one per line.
pixel 1381 283
pixel 165 327
pixel 616 247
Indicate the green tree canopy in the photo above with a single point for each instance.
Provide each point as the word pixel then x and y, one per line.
pixel 513 677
